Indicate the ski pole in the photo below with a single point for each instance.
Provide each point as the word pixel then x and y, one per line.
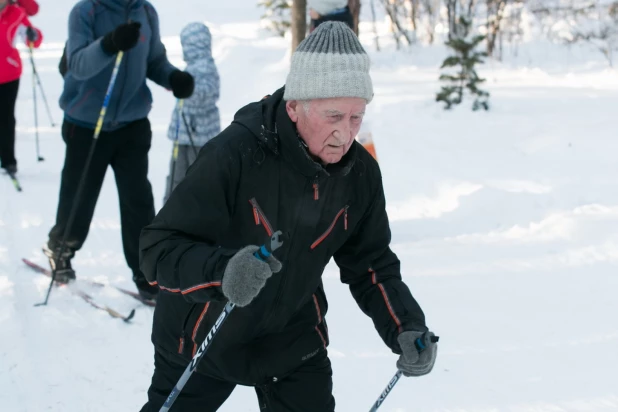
pixel 421 344
pixel 184 119
pixel 15 181
pixel 175 150
pixel 276 240
pixel 34 99
pixel 82 181
pixel 38 79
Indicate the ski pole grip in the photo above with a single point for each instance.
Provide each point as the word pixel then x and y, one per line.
pixel 424 341
pixel 276 240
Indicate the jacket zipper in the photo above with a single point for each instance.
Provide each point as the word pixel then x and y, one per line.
pixel 197 326
pixel 257 212
pixel 181 341
pixel 266 391
pixel 317 308
pixel 259 217
pixel 319 315
pixel 344 212
pixel 316 189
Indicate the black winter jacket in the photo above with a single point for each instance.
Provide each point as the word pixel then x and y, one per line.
pixel 251 180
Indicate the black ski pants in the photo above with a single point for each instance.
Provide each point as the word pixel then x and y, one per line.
pixel 345 17
pixel 306 389
pixel 8 96
pixel 126 151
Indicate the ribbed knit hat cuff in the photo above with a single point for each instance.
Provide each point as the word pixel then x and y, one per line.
pixel 329 63
pixel 305 86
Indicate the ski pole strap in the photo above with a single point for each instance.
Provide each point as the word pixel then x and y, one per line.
pixel 275 242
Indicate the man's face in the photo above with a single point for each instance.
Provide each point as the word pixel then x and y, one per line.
pixel 328 126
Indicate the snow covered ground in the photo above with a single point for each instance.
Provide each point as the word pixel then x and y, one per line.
pixel 505 222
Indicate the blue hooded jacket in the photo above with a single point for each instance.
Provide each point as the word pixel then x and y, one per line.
pixel 200 110
pixel 90 68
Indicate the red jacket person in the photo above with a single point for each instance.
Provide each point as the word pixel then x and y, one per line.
pixel 14 26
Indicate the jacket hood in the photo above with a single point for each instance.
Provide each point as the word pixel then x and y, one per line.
pixel 272 127
pixel 196 42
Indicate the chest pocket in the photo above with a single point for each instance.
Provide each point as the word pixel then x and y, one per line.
pixel 332 230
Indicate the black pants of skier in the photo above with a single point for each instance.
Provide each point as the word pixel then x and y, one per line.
pixel 307 389
pixel 126 151
pixel 8 96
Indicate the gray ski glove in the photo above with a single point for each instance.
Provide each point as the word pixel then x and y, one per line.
pixel 245 275
pixel 411 362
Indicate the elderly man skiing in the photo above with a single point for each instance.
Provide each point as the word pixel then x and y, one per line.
pixel 288 162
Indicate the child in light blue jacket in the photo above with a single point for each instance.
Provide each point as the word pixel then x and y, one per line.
pixel 200 120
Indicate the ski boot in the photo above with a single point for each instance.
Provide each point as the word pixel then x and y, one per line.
pixel 61 264
pixel 11 170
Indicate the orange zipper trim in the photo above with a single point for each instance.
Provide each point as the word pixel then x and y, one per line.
pixel 343 211
pixel 259 217
pixel 197 326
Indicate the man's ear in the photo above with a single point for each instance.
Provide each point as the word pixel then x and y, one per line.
pixel 292 107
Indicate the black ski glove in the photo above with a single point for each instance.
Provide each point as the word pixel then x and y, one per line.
pixel 122 38
pixel 245 275
pixel 411 363
pixel 182 84
pixel 31 35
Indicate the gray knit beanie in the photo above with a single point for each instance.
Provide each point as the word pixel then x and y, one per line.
pixel 330 62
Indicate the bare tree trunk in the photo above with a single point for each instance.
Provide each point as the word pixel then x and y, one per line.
pixel 451 12
pixel 392 11
pixel 375 30
pixel 471 6
pixel 495 12
pixel 414 14
pixel 500 45
pixel 299 22
pixel 430 12
pixel 355 7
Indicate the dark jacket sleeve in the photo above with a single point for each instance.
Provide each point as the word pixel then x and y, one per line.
pixel 179 249
pixel 159 67
pixel 372 271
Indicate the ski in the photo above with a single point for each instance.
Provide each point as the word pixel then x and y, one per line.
pixel 113 313
pixel 14 180
pixel 134 295
pixel 86 297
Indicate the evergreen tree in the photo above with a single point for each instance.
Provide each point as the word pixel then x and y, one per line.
pixel 465 59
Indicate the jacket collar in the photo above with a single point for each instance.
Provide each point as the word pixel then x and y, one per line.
pixel 122 5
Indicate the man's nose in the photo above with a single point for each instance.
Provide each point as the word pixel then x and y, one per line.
pixel 342 134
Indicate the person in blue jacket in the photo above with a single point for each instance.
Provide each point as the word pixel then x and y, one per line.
pixel 98 30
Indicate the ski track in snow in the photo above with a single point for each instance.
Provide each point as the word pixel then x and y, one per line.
pixel 505 223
